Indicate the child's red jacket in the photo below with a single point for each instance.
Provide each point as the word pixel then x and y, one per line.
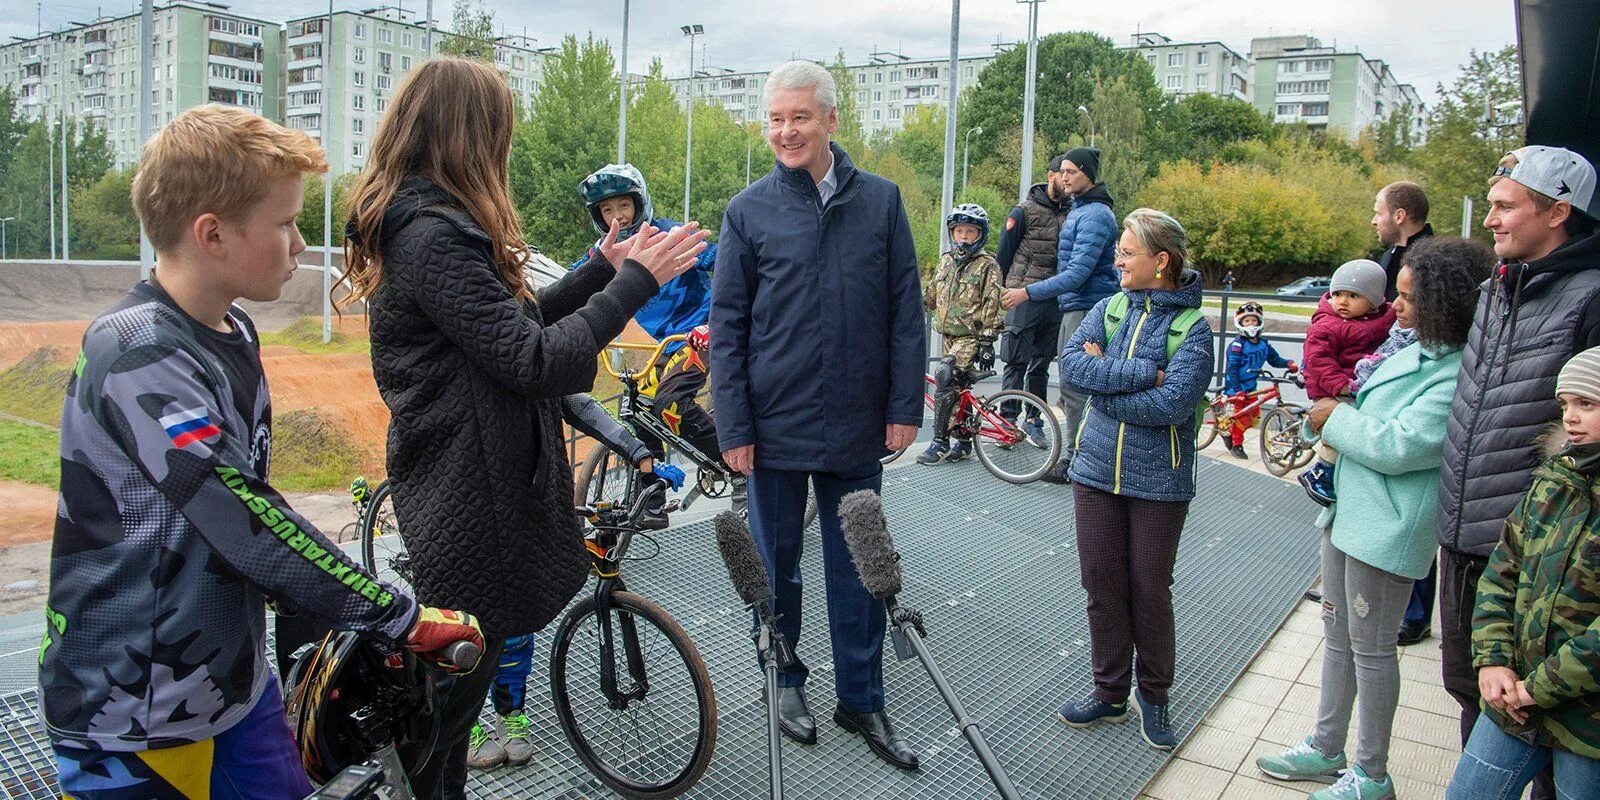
pixel 1334 345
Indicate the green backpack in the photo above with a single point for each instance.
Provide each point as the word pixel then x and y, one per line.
pixel 1177 332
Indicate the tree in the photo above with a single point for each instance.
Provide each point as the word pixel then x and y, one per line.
pixel 570 131
pixel 655 138
pixel 920 141
pixel 103 221
pixel 12 128
pixel 1070 65
pixel 471 32
pixel 1463 143
pixel 1208 128
pixel 1120 134
pixel 26 194
pixel 310 220
pixel 850 134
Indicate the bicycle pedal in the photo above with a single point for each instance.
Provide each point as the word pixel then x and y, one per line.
pixel 670 506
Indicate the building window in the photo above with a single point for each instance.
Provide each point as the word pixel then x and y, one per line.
pixel 894 113
pixel 1319 65
pixel 971 71
pixel 1201 58
pixel 894 76
pixel 1291 66
pixel 1151 59
pixel 1174 81
pixel 358 126
pixel 1174 59
pixel 360 30
pixel 405 39
pixel 894 95
pixel 355 150
pixel 877 97
pixel 861 97
pixel 516 62
pixel 877 77
pixel 405 63
pixel 358 78
pixel 385 61
pixel 383 83
pixel 383 103
pixel 1288 109
pixel 877 115
pixel 360 55
pixel 1202 82
pixel 1315 109
pixel 385 36
pixel 861 78
pixel 358 101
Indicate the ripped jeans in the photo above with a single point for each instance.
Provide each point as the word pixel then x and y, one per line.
pixel 1361 611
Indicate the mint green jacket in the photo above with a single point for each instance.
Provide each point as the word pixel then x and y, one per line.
pixel 1391 445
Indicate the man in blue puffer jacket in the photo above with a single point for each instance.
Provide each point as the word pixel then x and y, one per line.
pixel 1085 268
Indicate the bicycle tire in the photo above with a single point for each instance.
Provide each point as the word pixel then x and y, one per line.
pixel 1211 425
pixel 1281 427
pixel 599 463
pixel 704 731
pixel 985 445
pixel 383 548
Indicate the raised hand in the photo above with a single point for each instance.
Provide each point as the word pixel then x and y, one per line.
pixel 667 254
pixel 613 250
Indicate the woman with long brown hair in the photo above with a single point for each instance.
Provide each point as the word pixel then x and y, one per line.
pixel 471 362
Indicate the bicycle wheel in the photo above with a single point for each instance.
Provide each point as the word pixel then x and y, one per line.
pixel 383 549
pixel 603 478
pixel 1282 448
pixel 657 745
pixel 1216 419
pixel 1003 446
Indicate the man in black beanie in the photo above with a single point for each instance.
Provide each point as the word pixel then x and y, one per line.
pixel 1086 273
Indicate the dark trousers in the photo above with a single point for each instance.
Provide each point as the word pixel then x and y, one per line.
pixel 1126 550
pixel 1420 611
pixel 856 621
pixel 458 700
pixel 1028 346
pixel 1458 594
pixel 683 378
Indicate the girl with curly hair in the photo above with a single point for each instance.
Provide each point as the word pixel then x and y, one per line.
pixel 1378 536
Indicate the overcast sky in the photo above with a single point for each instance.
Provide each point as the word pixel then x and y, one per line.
pixel 1423 40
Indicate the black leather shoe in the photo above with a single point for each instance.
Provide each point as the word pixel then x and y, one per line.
pixel 1411 634
pixel 880 735
pixel 794 716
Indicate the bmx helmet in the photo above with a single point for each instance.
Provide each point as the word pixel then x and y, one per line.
pixel 610 181
pixel 1250 309
pixel 347 673
pixel 968 214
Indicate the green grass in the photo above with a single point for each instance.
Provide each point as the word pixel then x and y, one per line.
pixel 310 455
pixel 35 386
pixel 306 335
pixel 29 454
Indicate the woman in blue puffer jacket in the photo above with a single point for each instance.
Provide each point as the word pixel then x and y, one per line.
pixel 1133 476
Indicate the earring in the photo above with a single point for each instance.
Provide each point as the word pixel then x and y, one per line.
pixel 1158 274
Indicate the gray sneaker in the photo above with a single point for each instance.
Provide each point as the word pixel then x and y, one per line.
pixel 515 732
pixel 483 752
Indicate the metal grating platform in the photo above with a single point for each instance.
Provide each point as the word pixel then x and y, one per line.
pixel 994 568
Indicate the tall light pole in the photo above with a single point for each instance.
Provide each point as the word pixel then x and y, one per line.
pixel 66 238
pixel 147 253
pixel 622 91
pixel 966 149
pixel 1084 110
pixel 690 31
pixel 50 166
pixel 327 182
pixel 948 188
pixel 427 35
pixel 1027 98
pixel 3 221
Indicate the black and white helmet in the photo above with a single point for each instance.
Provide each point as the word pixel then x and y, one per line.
pixel 969 214
pixel 1250 308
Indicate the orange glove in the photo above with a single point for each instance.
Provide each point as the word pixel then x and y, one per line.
pixel 1294 366
pixel 438 628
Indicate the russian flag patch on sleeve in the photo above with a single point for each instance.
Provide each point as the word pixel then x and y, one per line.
pixel 187 427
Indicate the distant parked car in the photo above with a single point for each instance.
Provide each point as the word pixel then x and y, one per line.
pixel 1307 287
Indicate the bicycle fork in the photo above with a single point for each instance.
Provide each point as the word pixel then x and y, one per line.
pixel 616 699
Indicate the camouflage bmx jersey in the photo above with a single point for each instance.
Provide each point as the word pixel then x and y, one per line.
pixel 964 297
pixel 168 540
pixel 1538 606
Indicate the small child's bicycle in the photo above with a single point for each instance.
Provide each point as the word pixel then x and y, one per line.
pixel 990 423
pixel 1282 447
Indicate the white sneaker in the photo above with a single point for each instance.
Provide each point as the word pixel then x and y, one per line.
pixel 515 735
pixel 483 751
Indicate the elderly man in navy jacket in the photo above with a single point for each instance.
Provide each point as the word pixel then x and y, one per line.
pixel 818 355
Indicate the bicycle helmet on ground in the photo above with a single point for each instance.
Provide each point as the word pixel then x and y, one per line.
pixel 968 214
pixel 338 682
pixel 611 181
pixel 1248 309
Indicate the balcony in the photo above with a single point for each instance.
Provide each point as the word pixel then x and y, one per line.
pixel 26 60
pixel 31 80
pixel 95 113
pixel 305 38
pixel 93 68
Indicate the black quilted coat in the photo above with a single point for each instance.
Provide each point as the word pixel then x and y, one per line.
pixel 472 378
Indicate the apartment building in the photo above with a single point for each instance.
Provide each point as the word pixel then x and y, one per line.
pixel 200 53
pixel 887 87
pixel 1183 68
pixel 1298 80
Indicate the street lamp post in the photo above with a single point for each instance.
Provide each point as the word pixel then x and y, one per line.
pixel 622 93
pixel 3 221
pixel 326 134
pixel 147 253
pixel 966 148
pixel 1029 84
pixel 1084 110
pixel 690 31
pixel 948 183
pixel 66 239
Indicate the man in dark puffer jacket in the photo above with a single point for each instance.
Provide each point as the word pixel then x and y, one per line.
pixel 1541 307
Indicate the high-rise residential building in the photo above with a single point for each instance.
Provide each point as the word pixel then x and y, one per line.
pixel 1183 68
pixel 200 53
pixel 1298 80
pixel 370 52
pixel 886 88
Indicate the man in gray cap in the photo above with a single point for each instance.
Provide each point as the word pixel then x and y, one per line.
pixel 1541 307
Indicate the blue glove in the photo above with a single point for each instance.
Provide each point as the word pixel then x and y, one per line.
pixel 669 473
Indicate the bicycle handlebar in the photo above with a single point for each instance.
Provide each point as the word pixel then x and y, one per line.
pixel 589 512
pixel 655 355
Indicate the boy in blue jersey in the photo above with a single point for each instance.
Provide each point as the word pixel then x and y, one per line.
pixel 683 305
pixel 1247 354
pixel 169 539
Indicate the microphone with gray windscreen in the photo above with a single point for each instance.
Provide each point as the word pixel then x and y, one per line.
pixel 745 570
pixel 749 577
pixel 866 534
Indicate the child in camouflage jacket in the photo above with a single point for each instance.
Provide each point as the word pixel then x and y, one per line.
pixel 964 297
pixel 1536 625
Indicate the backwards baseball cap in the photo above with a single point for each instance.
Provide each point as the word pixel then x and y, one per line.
pixel 1555 172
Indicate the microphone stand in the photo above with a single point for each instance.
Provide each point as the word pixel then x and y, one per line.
pixel 775 654
pixel 907 634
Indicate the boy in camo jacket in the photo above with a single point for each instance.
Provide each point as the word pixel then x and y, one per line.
pixel 1536 626
pixel 964 297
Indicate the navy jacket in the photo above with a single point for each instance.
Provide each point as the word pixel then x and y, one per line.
pixel 1245 360
pixel 816 317
pixel 1086 261
pixel 1137 438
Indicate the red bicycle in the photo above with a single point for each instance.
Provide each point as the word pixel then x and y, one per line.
pixel 990 423
pixel 1282 447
